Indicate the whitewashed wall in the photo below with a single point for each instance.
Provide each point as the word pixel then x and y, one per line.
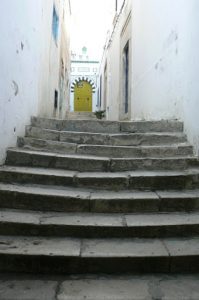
pixel 29 65
pixel 112 57
pixel 51 54
pixel 19 68
pixel 164 40
pixel 165 62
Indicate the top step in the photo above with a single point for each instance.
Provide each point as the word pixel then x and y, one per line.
pixel 80 115
pixel 100 126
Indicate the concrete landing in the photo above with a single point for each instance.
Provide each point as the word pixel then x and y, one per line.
pixel 161 287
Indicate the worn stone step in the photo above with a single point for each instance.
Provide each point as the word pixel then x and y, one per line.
pixel 92 225
pixel 68 199
pixel 141 180
pixel 113 287
pixel 99 287
pixel 86 163
pixel 136 151
pixel 77 125
pixel 118 139
pixel 48 145
pixel 76 115
pixel 73 255
pixel 25 157
pixel 107 151
pixel 108 126
pixel 151 163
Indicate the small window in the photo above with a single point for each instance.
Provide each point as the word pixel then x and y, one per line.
pixel 56 99
pixel 55 24
pixel 83 69
pixel 126 77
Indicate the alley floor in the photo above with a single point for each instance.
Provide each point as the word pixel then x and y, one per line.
pixel 91 287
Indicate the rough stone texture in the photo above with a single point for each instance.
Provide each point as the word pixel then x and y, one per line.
pixel 25 289
pixel 103 150
pixel 91 126
pixel 153 126
pixel 127 164
pixel 40 133
pixel 124 202
pixel 180 201
pixel 30 175
pixel 143 151
pixel 128 248
pixel 39 246
pixel 140 180
pixel 108 126
pixel 103 180
pixel 124 139
pixel 84 137
pixel 92 219
pixel 75 115
pixel 92 287
pixel 19 157
pixel 47 146
pixel 184 252
pixel 159 287
pixel 104 289
pixel 46 199
pixel 53 124
pixel 130 255
pixel 87 225
pixel 138 139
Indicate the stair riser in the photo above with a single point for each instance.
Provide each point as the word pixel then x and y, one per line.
pixel 47 146
pixel 42 202
pixel 104 139
pixel 44 134
pixel 78 265
pixel 80 115
pixel 16 200
pixel 15 229
pixel 122 165
pixel 145 140
pixel 150 152
pixel 121 140
pixel 51 161
pixel 108 126
pixel 77 125
pixel 68 148
pixel 93 165
pixel 24 178
pixel 106 183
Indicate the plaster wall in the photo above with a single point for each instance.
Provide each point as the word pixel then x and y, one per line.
pixel 19 58
pixel 30 64
pixel 53 53
pixel 112 58
pixel 165 62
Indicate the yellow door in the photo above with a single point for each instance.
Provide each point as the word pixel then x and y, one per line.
pixel 83 96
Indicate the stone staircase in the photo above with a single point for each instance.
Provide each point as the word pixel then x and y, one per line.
pixel 88 196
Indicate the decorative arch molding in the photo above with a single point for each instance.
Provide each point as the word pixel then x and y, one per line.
pixel 83 78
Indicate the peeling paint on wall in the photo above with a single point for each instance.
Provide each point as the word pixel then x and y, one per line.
pixel 15 88
pixel 22 46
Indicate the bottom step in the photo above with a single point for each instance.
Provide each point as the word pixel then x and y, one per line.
pixel 70 256
pixel 94 287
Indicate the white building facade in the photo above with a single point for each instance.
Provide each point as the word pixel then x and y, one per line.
pixel 35 64
pixel 84 69
pixel 150 64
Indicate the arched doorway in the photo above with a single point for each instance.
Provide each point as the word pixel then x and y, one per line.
pixel 83 96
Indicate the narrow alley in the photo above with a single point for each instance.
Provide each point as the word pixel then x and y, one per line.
pixel 99 152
